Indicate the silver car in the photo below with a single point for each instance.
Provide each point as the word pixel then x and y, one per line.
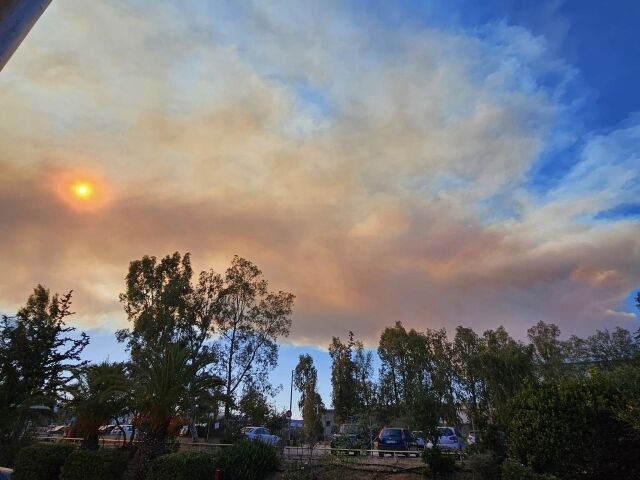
pixel 261 434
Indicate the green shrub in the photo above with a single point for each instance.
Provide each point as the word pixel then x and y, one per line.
pixel 485 465
pixel 9 452
pixel 104 464
pixel 41 461
pixel 440 463
pixel 182 466
pixel 570 428
pixel 512 470
pixel 247 460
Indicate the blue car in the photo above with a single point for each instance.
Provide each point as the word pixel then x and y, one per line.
pixel 395 440
pixel 419 438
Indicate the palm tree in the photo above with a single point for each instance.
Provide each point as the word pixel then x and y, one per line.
pixel 167 385
pixel 99 394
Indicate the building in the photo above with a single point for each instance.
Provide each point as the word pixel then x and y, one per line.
pixel 328 423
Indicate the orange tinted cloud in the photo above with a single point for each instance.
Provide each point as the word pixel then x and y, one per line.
pixel 396 191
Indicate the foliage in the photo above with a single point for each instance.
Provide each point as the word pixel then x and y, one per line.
pixel 254 406
pixel 512 470
pixel 9 451
pixel 171 353
pixel 103 464
pixel 166 383
pixel 328 468
pixel 249 320
pixel 38 352
pixel 343 392
pixel 164 306
pixel 182 466
pixel 570 429
pixel 440 463
pixel 467 348
pixel 416 376
pixel 99 394
pixel 247 460
pixel 485 465
pixel 311 405
pixel 41 461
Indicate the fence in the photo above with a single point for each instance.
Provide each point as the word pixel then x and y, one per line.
pixel 304 453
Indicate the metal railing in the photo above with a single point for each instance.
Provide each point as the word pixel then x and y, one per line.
pixel 288 452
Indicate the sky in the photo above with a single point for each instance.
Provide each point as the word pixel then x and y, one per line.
pixel 437 163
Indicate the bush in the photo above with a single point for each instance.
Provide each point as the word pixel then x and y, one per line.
pixel 41 461
pixel 105 464
pixel 9 452
pixel 247 460
pixel 570 428
pixel 512 470
pixel 485 465
pixel 439 463
pixel 182 466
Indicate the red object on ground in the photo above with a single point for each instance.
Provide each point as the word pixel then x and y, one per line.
pixel 217 475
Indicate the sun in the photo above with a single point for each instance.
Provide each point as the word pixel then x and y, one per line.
pixel 82 190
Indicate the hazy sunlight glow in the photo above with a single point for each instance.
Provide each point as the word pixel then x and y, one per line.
pixel 82 190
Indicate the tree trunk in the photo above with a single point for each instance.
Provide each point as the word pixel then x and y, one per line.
pixel 90 441
pixel 152 445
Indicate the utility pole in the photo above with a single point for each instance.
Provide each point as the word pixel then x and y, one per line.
pixel 290 404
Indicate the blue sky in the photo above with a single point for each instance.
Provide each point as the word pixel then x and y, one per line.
pixel 439 163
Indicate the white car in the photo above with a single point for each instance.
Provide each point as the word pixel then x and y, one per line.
pixel 449 438
pixel 116 433
pixel 472 437
pixel 262 434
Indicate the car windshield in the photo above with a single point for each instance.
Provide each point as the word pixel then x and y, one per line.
pixel 350 429
pixel 391 433
pixel 445 432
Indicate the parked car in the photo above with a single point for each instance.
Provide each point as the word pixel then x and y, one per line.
pixel 57 430
pixel 116 432
pixel 419 438
pixel 449 437
pixel 352 437
pixel 395 439
pixel 261 434
pixel 106 430
pixel 473 437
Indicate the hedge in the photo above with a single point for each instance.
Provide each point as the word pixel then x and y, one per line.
pixel 247 460
pixel 8 453
pixel 104 464
pixel 182 466
pixel 41 461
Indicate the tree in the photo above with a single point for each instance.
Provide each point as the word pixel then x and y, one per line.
pixel 163 305
pixel 168 385
pixel 343 391
pixel 38 353
pixel 415 377
pixel 363 378
pixel 250 319
pixel 253 405
pixel 506 364
pixel 467 350
pixel 100 393
pixel 548 351
pixel 583 437
pixel 311 405
pixel 604 349
pixel 171 352
pixel 441 373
